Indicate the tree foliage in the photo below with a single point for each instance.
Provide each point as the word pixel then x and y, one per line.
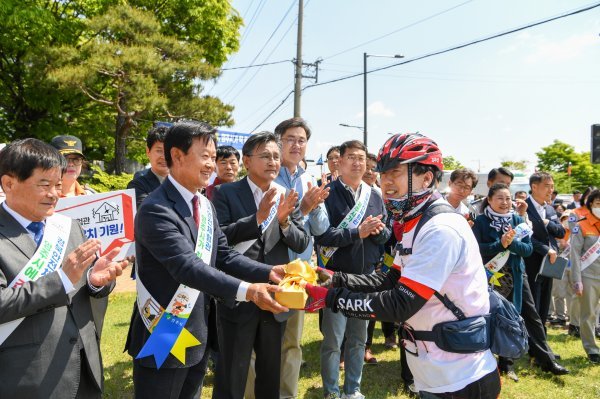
pixel 556 158
pixel 105 69
pixel 515 165
pixel 451 163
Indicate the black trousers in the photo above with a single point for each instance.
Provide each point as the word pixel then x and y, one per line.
pixel 541 289
pixel 487 387
pixel 388 328
pixel 264 334
pixel 538 344
pixel 164 383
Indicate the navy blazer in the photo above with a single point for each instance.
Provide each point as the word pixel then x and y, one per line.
pixel 354 255
pixel 544 236
pixel 236 211
pixel 165 234
pixel 144 182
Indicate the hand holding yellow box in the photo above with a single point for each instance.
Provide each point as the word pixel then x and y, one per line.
pixel 297 274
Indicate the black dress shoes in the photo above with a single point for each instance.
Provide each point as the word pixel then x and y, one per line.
pixel 554 368
pixel 594 358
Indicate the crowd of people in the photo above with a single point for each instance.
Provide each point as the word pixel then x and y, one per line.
pixel 386 245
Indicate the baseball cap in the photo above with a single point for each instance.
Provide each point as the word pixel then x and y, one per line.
pixel 67 145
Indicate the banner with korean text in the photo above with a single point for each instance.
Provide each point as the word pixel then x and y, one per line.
pixel 105 216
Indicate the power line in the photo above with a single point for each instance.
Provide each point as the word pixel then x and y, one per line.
pixel 255 65
pixel 497 35
pixel 400 29
pixel 272 112
pixel 259 52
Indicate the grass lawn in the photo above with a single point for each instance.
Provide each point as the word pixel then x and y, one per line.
pixel 380 381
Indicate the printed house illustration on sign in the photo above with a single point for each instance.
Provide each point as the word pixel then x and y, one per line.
pixel 107 212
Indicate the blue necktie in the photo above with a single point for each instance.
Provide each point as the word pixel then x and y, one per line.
pixel 37 228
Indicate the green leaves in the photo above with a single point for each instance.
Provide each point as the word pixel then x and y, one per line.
pixel 556 158
pixel 104 69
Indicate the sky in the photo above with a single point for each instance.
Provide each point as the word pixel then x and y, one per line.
pixel 503 99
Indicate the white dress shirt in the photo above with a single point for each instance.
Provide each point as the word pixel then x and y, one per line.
pixel 541 210
pixel 187 196
pixel 23 221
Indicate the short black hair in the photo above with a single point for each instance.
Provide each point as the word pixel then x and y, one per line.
pixel 576 192
pixel 156 133
pixel 464 174
pixel 257 139
pixel 585 194
pixel 333 148
pixel 290 123
pixel 356 144
pixel 520 192
pixel 371 157
pixel 225 151
pixel 20 158
pixel 595 194
pixel 420 169
pixel 502 171
pixel 539 177
pixel 182 134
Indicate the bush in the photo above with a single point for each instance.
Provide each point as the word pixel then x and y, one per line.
pixel 102 182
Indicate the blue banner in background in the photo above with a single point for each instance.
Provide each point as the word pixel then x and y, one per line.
pixel 234 139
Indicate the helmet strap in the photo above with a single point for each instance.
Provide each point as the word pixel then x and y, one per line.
pixel 410 192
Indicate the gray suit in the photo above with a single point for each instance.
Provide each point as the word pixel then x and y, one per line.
pixel 43 357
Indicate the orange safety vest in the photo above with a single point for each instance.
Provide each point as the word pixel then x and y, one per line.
pixel 590 225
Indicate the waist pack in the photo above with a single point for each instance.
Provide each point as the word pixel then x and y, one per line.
pixel 502 330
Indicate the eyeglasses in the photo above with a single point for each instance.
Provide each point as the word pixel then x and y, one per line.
pixel 266 157
pixel 74 160
pixel 462 186
pixel 291 141
pixel 356 158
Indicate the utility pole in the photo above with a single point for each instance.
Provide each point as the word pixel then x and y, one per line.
pixel 298 74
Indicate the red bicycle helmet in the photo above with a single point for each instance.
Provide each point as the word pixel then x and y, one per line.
pixel 409 148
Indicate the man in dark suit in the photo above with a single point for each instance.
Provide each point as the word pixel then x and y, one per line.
pixel 169 259
pixel 263 230
pixel 576 200
pixel 148 180
pixel 546 229
pixel 49 346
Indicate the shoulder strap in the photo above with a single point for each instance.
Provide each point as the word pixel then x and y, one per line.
pixel 431 211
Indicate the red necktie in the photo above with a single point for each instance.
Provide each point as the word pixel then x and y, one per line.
pixel 196 210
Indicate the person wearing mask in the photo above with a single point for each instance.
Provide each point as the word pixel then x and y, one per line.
pixel 294 135
pixel 411 167
pixel 585 272
pixel 351 244
pixel 495 233
pixel 148 180
pixel 228 166
pixel 577 213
